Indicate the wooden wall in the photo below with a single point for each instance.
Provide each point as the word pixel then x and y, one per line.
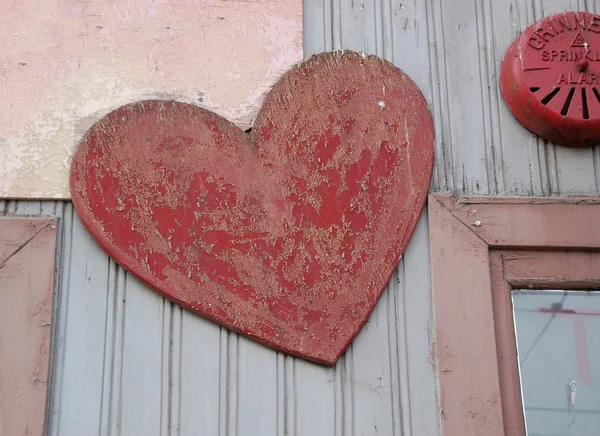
pixel 128 362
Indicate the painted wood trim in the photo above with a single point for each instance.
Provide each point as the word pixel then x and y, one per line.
pixel 480 389
pixel 508 367
pixel 552 269
pixel 529 222
pixel 16 232
pixel 27 263
pixel 464 325
pixel 524 269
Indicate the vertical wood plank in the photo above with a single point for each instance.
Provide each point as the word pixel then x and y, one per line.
pixel 463 88
pixel 147 315
pixel 257 389
pixel 229 383
pixel 419 336
pixel 409 41
pixel 575 170
pixel 372 376
pixel 114 374
pixel 82 358
pixel 344 393
pixel 317 17
pixel 314 399
pixel 440 96
pixel 173 406
pixel 282 396
pixel 400 394
pixel 200 369
pixel 110 354
pixel 357 25
pixel 399 354
pixel 10 206
pixel 291 391
pixel 61 212
pixel 516 150
pixel 49 207
pixel 26 296
pixel 32 208
pixel 63 254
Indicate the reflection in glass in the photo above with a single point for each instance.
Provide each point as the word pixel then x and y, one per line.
pixel 558 342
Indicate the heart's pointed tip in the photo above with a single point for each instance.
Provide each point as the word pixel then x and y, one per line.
pixel 328 362
pixel 321 359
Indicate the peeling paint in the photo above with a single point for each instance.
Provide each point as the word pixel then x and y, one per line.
pixel 288 235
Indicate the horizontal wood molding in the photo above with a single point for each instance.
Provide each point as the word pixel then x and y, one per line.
pixel 540 223
pixel 481 249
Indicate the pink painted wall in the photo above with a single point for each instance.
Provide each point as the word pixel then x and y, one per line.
pixel 66 63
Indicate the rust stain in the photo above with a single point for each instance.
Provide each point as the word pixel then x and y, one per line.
pixel 287 235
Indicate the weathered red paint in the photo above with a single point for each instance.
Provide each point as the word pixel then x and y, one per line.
pixel 551 78
pixel 287 235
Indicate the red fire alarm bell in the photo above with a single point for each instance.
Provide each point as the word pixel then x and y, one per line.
pixel 550 78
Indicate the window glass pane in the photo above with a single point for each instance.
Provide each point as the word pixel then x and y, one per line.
pixel 558 341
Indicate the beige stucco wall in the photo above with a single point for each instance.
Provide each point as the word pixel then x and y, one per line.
pixel 70 62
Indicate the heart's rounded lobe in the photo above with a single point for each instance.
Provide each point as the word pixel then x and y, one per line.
pixel 288 235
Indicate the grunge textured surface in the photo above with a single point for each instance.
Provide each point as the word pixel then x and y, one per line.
pixel 65 63
pixel 287 235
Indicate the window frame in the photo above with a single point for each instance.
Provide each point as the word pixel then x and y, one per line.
pixel 498 244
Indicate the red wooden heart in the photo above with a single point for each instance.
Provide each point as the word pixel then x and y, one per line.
pixel 287 235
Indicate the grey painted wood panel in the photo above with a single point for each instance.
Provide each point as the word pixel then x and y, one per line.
pixel 200 343
pixel 126 359
pixel 79 356
pixel 128 362
pixel 485 150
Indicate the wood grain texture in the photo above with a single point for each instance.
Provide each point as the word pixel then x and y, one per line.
pixel 27 261
pixel 67 63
